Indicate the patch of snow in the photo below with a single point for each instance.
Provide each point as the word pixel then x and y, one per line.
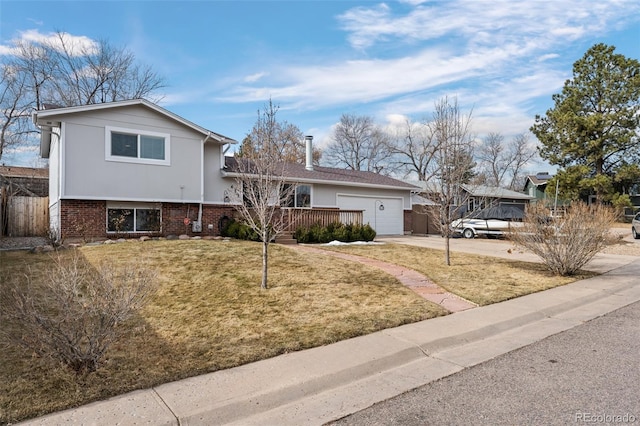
pixel 340 243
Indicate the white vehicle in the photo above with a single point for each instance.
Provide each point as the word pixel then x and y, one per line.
pixel 635 227
pixel 492 228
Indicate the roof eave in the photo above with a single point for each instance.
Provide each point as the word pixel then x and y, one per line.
pixel 38 115
pixel 327 182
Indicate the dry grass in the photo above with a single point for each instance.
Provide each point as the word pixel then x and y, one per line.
pixel 209 314
pixel 480 279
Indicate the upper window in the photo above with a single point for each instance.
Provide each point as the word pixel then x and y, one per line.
pixel 137 147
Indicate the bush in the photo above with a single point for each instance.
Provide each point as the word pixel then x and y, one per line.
pixel 74 312
pixel 565 244
pixel 239 230
pixel 335 232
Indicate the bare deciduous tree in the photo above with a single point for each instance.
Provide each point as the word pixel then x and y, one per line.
pixel 74 312
pixel 565 244
pixel 286 141
pixel 454 158
pixel 15 108
pixel 413 147
pixel 358 144
pixel 61 71
pixel 261 186
pixel 501 164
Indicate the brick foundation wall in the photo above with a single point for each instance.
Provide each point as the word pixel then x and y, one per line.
pixel 88 220
pixel 173 215
pixel 83 219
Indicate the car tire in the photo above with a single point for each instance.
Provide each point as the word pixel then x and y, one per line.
pixel 468 233
pixel 635 234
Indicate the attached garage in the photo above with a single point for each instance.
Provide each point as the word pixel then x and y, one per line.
pixel 384 214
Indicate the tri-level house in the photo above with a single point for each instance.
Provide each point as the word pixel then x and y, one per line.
pixel 133 168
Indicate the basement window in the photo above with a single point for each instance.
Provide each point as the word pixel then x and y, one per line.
pixel 133 219
pixel 132 146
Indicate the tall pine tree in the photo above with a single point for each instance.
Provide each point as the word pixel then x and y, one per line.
pixel 593 130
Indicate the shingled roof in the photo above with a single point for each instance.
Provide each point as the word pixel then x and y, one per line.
pixel 329 175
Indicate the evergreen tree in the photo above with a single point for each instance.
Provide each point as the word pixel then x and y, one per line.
pixel 592 132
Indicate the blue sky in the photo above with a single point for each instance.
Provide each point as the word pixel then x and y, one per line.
pixel 222 60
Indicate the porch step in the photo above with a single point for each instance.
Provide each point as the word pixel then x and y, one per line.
pixel 286 238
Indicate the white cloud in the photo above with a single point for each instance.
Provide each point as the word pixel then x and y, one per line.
pixel 75 45
pixel 494 55
pixel 548 56
pixel 254 77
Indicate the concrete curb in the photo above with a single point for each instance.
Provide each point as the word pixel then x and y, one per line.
pixel 326 383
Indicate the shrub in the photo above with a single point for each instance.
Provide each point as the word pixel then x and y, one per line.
pixel 335 232
pixel 74 312
pixel 565 244
pixel 368 233
pixel 240 231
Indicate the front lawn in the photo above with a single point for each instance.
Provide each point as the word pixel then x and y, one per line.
pixel 480 279
pixel 208 314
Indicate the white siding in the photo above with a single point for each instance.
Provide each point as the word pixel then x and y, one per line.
pixel 326 196
pixel 214 184
pixel 54 219
pixel 88 175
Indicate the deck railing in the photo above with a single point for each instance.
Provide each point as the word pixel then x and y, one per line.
pixel 297 218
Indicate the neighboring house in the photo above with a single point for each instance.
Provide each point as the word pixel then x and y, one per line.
pixel 25 181
pixel 134 168
pixel 478 197
pixel 471 198
pixel 536 185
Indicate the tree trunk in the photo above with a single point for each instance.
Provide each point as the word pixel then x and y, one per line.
pixel 447 252
pixel 265 257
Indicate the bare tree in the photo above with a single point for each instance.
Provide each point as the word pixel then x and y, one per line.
pixel 414 148
pixel 261 186
pixel 286 141
pixel 15 108
pixel 358 144
pixel 502 163
pixel 63 72
pixel 454 157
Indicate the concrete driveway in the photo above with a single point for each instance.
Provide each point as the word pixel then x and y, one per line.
pixel 602 262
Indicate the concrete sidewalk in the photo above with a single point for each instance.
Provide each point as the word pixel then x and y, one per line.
pixel 318 385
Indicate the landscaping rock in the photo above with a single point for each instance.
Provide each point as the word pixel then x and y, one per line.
pixel 183 237
pixel 197 237
pixel 145 238
pixel 109 242
pixel 121 240
pixel 172 237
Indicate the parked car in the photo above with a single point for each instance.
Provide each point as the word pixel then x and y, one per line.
pixel 492 228
pixel 635 226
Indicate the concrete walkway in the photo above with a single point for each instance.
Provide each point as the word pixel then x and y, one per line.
pixel 318 385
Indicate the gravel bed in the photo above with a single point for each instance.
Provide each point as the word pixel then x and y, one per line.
pixel 22 243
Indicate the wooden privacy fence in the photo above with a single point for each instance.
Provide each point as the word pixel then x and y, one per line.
pixel 23 216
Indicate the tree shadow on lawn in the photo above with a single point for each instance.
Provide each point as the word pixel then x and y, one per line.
pixel 181 334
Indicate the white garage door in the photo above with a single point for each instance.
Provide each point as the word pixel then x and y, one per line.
pixel 385 215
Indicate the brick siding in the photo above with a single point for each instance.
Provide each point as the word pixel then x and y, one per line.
pixel 88 220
